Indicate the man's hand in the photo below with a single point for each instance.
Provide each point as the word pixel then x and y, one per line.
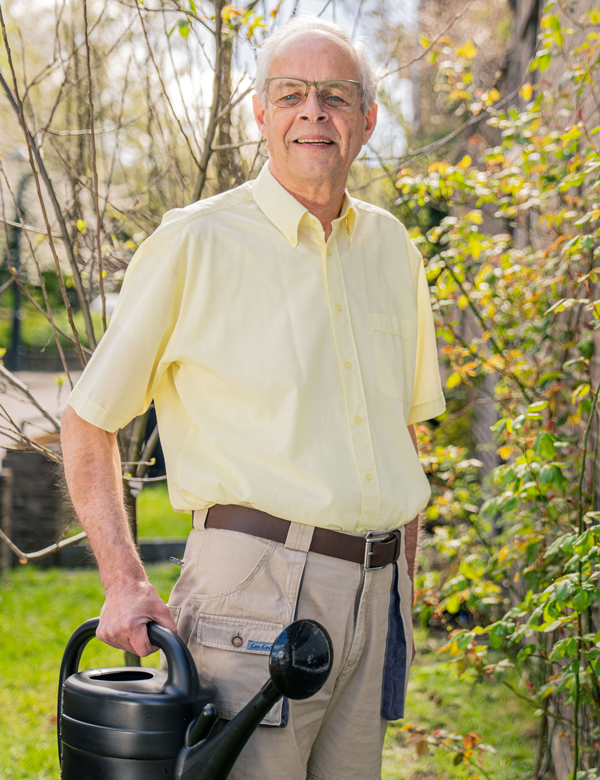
pixel 128 608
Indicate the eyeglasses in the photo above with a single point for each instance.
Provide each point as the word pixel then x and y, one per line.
pixel 338 94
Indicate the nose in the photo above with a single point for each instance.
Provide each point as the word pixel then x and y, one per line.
pixel 312 108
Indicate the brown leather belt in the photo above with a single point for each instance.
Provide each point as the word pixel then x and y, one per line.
pixel 374 550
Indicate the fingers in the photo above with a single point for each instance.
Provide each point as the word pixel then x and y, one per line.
pixel 126 614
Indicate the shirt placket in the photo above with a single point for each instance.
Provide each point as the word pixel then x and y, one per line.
pixel 357 415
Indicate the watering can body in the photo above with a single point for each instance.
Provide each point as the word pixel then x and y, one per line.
pixel 127 723
pixel 134 723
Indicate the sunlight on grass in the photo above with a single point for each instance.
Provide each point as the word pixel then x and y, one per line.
pixel 156 517
pixel 438 699
pixel 40 609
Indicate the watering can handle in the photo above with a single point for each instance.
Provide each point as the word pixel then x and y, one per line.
pixel 182 673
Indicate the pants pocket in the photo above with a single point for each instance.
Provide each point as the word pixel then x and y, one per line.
pixel 234 653
pixel 391 341
pixel 241 592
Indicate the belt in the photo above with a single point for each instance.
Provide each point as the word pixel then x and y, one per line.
pixel 374 550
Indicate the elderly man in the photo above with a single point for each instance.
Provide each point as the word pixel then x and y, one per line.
pixel 284 331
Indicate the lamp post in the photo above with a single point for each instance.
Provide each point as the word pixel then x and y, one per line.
pixel 14 356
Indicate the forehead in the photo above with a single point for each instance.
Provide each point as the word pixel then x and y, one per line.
pixel 314 56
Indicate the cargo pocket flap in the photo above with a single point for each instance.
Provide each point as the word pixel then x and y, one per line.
pixel 233 653
pixel 240 635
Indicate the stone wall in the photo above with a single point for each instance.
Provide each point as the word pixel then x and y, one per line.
pixel 37 511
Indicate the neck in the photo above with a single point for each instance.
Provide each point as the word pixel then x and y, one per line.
pixel 321 199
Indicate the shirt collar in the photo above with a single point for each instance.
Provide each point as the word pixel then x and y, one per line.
pixel 285 212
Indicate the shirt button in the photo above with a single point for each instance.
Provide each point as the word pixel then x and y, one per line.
pixel 338 306
pixel 358 420
pixel 348 364
pixel 368 477
pixel 329 253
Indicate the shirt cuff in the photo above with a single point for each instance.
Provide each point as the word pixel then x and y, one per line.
pixel 94 414
pixel 427 410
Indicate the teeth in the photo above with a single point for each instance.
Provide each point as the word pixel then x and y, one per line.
pixel 316 143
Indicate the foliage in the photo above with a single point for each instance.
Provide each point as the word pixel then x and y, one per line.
pixel 517 259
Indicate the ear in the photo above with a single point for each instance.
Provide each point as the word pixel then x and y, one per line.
pixel 259 114
pixel 370 122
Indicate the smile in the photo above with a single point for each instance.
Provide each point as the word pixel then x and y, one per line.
pixel 315 143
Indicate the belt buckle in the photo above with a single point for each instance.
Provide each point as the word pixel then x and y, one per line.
pixel 371 538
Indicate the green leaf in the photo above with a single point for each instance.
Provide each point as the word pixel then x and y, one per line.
pixel 524 652
pixel 543 61
pixel 583 544
pixel 184 27
pixel 544 445
pixel 453 604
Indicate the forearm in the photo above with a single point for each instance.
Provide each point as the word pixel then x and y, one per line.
pixel 93 474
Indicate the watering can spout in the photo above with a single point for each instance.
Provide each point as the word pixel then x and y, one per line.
pixel 299 665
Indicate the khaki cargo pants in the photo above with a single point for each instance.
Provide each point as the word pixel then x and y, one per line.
pixel 235 594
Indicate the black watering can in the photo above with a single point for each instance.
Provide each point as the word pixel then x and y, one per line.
pixel 134 723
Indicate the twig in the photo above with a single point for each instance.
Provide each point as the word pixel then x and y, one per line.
pixel 34 556
pixel 426 51
pixel 15 275
pixel 33 151
pixel 214 108
pixel 12 379
pixel 416 154
pixel 94 167
pixel 100 130
pixel 29 228
pixel 162 84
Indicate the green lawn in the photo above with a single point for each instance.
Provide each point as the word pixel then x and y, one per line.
pixel 438 699
pixel 40 609
pixel 155 515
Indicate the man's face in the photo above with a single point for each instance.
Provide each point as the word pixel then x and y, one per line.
pixel 336 136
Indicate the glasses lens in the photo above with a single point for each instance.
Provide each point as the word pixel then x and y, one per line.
pixel 286 93
pixel 338 94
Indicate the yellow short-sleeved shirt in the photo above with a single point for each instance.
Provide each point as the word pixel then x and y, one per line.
pixel 284 368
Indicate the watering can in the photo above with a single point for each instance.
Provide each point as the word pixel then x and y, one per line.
pixel 134 723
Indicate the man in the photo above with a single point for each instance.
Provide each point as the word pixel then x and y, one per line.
pixel 285 333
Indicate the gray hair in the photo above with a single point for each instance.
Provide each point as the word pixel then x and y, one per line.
pixel 309 23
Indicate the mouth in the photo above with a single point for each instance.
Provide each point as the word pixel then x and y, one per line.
pixel 314 142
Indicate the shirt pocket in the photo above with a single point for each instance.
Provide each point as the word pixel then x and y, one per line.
pixel 391 346
pixel 233 653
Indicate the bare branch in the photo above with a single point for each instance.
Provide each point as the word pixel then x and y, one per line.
pixel 426 51
pixel 214 109
pixel 22 388
pixel 33 151
pixel 94 168
pixel 29 228
pixel 34 556
pixel 417 154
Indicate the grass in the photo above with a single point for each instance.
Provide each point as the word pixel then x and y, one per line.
pixel 439 699
pixel 156 518
pixel 40 609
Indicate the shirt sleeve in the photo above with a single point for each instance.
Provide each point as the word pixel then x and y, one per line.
pixel 119 382
pixel 427 399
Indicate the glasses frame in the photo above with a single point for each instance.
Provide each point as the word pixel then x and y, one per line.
pixel 314 84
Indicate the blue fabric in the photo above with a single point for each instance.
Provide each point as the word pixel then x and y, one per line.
pixel 394 669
